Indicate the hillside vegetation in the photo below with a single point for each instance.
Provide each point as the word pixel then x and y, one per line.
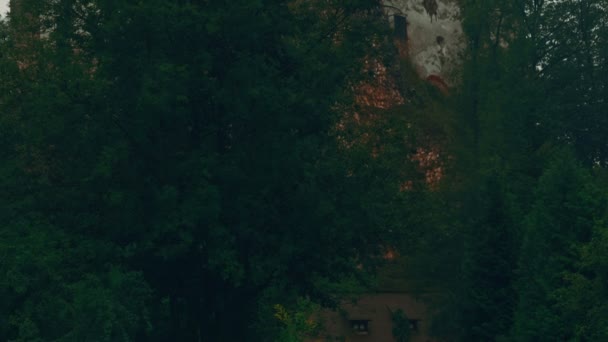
pixel 205 170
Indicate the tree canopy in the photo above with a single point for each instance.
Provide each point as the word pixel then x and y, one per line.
pixel 207 170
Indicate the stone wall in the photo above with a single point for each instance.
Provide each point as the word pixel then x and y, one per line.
pixel 434 47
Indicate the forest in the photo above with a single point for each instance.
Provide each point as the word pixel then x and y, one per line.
pixel 195 170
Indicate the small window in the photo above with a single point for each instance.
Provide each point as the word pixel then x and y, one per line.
pixel 414 325
pixel 360 327
pixel 400 27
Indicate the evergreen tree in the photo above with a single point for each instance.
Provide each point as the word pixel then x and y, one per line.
pixel 565 207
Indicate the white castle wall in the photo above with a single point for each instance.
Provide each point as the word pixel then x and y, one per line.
pixel 428 56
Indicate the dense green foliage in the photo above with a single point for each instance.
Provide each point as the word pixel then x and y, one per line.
pixel 170 169
pixel 401 326
pixel 528 184
pixel 191 170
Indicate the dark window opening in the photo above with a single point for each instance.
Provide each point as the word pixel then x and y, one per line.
pixel 414 325
pixel 400 27
pixel 360 327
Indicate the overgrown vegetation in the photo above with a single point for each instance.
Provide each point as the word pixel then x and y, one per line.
pixel 201 171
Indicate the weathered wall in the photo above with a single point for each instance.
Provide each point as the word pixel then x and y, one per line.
pixel 375 308
pixel 430 54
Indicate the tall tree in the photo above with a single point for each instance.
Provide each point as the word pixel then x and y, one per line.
pixel 565 207
pixel 184 151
